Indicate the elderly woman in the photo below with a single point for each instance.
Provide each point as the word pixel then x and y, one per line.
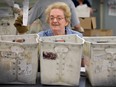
pixel 37 12
pixel 58 16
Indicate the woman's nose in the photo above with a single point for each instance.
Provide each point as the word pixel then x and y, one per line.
pixel 55 20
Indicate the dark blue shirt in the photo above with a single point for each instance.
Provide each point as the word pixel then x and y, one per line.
pixel 76 3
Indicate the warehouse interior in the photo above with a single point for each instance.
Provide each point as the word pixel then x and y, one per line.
pixel 29 60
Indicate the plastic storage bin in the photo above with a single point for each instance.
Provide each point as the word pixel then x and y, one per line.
pixel 100 56
pixel 60 59
pixel 7 26
pixel 18 59
pixel 7 18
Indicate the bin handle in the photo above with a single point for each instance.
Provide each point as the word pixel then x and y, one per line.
pixel 102 41
pixel 19 40
pixel 60 40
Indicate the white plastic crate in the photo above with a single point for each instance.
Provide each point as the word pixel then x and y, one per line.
pixel 7 26
pixel 100 56
pixel 60 59
pixel 18 59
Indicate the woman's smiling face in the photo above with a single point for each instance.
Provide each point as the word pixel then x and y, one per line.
pixel 57 20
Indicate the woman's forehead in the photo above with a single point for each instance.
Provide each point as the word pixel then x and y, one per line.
pixel 57 12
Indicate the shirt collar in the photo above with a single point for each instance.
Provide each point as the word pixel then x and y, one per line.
pixel 50 33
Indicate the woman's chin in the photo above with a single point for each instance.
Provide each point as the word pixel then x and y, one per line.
pixel 55 28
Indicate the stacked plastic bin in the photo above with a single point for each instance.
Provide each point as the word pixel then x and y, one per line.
pixel 18 59
pixel 60 59
pixel 100 57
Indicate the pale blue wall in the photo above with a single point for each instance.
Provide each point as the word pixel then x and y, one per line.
pixel 109 22
pixel 96 5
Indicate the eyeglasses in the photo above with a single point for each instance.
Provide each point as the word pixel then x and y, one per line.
pixel 57 18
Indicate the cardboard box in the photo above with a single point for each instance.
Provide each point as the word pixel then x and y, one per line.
pixel 98 32
pixel 88 22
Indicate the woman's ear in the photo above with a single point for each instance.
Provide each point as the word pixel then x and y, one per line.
pixel 67 23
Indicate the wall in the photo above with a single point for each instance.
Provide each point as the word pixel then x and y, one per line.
pixel 108 22
pixel 96 6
